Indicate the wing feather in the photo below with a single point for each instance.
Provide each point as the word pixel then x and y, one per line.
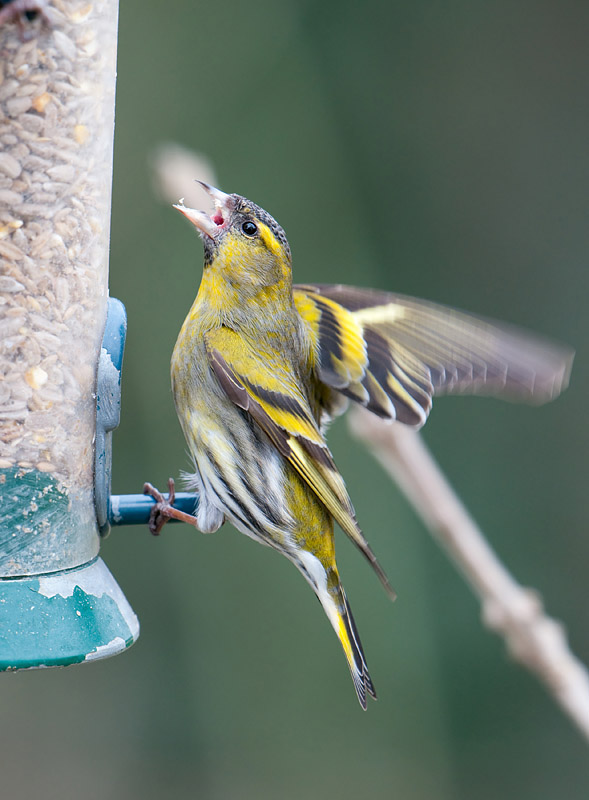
pixel 415 349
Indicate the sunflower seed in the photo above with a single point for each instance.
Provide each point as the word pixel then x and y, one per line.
pixel 9 165
pixel 8 284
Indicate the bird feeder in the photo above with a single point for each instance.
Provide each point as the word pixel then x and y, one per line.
pixel 59 604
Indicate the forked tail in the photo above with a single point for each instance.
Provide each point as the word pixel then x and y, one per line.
pixel 331 595
pixel 348 636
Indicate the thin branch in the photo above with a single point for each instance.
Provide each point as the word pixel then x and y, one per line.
pixel 516 613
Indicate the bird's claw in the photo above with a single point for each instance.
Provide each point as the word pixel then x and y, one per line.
pixel 162 511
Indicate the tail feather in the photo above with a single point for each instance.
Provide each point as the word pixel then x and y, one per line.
pixel 332 597
pixel 348 635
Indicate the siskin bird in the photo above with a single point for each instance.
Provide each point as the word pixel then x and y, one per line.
pixel 260 366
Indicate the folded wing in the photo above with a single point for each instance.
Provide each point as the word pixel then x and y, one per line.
pixel 269 393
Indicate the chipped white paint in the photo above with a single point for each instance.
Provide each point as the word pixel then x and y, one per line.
pixel 94 580
pixel 115 508
pixel 106 650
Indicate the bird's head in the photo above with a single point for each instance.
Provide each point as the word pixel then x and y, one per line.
pixel 243 244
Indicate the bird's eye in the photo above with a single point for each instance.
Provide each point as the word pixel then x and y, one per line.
pixel 249 228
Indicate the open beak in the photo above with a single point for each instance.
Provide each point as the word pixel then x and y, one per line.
pixel 210 225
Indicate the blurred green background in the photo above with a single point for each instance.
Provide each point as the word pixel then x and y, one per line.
pixel 436 149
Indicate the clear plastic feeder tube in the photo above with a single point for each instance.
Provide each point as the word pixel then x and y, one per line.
pixel 57 89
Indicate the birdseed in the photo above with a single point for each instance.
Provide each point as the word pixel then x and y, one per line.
pixel 56 124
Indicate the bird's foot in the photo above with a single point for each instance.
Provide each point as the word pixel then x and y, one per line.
pixel 164 510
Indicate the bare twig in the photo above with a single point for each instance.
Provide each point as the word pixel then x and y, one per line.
pixel 532 638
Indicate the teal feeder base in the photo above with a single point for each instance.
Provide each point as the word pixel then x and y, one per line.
pixel 63 618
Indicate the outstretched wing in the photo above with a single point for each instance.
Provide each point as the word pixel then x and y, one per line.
pixel 392 353
pixel 270 393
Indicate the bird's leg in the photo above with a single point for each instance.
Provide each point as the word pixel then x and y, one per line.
pixel 163 510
